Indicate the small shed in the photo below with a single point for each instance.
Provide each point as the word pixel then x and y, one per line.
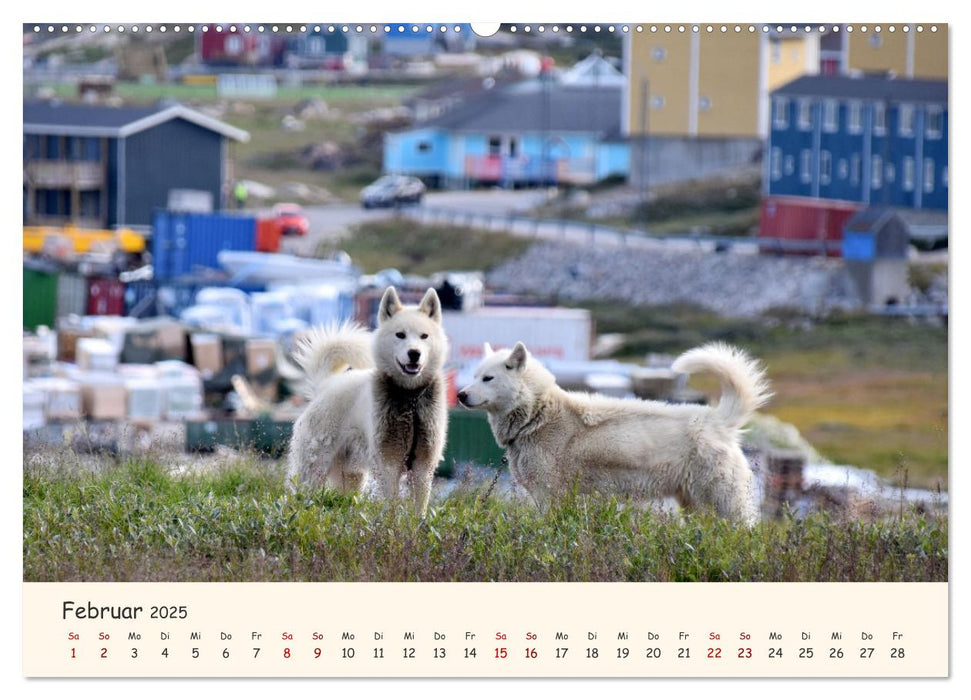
pixel 875 233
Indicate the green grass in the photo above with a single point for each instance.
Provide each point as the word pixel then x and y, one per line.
pixel 870 392
pixel 421 249
pixel 134 521
pixel 334 95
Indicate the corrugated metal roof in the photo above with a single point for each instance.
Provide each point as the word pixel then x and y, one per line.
pixel 866 87
pixel 525 108
pixel 57 117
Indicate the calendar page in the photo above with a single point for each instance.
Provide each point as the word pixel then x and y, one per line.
pixel 525 350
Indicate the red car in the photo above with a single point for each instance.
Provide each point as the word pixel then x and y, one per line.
pixel 291 220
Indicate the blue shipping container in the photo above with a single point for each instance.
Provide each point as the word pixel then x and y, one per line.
pixel 183 242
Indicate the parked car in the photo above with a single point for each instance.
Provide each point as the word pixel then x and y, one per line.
pixel 391 190
pixel 291 220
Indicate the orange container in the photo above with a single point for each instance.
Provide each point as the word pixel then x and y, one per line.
pixel 268 235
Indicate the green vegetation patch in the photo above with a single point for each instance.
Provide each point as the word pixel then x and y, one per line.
pixel 135 520
pixel 421 249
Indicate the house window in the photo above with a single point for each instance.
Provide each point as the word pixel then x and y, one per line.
pixel 854 117
pixel 659 53
pixel 657 102
pixel 495 145
pixel 805 165
pixel 780 113
pixel 842 169
pixel 830 115
pixel 876 172
pixel 423 147
pixel 908 174
pixel 53 148
pixel 906 126
pixel 776 51
pixel 876 40
pixel 890 175
pixel 92 149
pixel 513 148
pixel 935 122
pixel 855 166
pixel 704 102
pixel 775 164
pixel 825 167
pixel 928 174
pixel 789 165
pixel 879 118
pixel 805 118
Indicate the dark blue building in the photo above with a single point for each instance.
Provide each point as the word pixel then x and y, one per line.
pixel 873 140
pixel 99 166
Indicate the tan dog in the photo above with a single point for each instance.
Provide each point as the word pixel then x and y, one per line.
pixel 378 399
pixel 557 439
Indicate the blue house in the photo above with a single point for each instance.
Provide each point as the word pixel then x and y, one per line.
pixel 525 134
pixel 875 140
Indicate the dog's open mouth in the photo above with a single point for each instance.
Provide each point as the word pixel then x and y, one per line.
pixel 411 368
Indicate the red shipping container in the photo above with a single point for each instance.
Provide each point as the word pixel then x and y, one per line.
pixel 106 297
pixel 268 234
pixel 804 225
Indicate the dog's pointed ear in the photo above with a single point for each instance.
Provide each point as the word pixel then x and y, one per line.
pixel 390 305
pixel 517 358
pixel 431 305
pixel 486 349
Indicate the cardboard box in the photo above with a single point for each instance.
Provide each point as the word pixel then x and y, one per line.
pixel 260 356
pixel 67 341
pixel 207 353
pixel 104 398
pixel 154 340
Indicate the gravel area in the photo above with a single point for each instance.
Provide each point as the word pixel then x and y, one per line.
pixel 734 285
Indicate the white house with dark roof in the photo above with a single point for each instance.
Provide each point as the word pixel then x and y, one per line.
pixel 100 166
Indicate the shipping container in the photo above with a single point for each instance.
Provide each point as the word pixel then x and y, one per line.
pixel 106 297
pixel 804 225
pixel 470 441
pixel 72 295
pixel 187 243
pixel 40 298
pixel 554 333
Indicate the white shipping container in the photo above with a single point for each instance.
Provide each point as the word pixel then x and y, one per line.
pixel 549 333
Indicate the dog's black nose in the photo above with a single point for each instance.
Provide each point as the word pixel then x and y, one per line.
pixel 462 396
pixel 414 355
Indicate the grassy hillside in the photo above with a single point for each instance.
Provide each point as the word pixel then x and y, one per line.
pixel 135 521
pixel 415 248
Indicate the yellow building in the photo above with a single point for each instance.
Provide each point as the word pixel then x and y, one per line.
pixel 710 83
pixel 918 52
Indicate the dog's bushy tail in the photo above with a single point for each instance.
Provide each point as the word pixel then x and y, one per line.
pixel 744 386
pixel 329 350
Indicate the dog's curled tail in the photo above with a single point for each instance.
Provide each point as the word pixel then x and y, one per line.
pixel 744 386
pixel 332 349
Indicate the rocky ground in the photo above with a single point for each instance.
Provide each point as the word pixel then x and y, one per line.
pixel 734 285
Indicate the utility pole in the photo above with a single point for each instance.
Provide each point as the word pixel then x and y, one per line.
pixel 645 96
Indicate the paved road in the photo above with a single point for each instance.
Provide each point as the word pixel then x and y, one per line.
pixel 330 222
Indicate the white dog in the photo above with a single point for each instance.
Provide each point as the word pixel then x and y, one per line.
pixel 378 402
pixel 557 439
